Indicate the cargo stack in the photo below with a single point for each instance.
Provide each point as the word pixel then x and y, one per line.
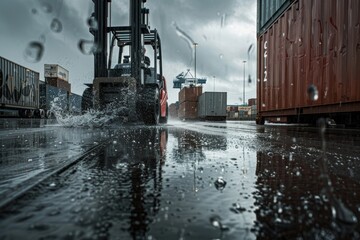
pixel 188 99
pixel 57 76
pixel 173 110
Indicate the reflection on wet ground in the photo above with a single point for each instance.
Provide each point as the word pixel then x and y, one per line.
pixel 32 147
pixel 200 181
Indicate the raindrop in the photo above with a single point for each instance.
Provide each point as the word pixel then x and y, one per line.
pixel 46 7
pixel 52 184
pixel 313 92
pixel 30 160
pixel 87 47
pixel 33 52
pixel 223 20
pixel 92 23
pixel 56 25
pixel 216 221
pixel 221 56
pixel 220 183
pixel 344 214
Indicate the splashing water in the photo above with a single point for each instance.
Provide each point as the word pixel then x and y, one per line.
pixel 91 119
pixel 34 52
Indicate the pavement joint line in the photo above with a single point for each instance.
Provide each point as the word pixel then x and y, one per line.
pixel 6 201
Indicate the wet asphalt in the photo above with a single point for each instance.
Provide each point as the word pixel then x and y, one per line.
pixel 197 180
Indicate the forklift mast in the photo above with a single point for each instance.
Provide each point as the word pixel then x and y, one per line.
pixel 138 25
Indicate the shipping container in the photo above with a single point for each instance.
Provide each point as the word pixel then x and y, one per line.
pixel 212 106
pixel 56 71
pixel 308 61
pixel 190 94
pixel 59 83
pixel 19 86
pixel 188 111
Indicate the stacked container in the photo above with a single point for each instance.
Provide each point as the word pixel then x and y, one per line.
pixel 57 76
pixel 188 98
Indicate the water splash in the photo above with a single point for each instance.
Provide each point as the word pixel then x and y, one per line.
pixel 90 119
pixel 56 25
pixel 34 52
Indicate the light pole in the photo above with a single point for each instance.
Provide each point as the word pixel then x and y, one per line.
pixel 244 85
pixel 195 44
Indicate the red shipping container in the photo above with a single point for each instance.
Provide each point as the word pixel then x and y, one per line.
pixel 309 60
pixel 190 94
pixel 188 110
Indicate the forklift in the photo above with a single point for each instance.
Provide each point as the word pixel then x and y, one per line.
pixel 133 87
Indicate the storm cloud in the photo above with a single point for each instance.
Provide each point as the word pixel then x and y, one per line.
pixel 224 30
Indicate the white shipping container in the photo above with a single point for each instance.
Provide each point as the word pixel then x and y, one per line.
pixel 56 71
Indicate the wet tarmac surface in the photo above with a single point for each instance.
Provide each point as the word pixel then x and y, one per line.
pixel 203 180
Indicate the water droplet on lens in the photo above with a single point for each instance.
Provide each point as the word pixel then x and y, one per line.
pixel 33 11
pixel 87 47
pixel 33 52
pixel 56 25
pixel 92 23
pixel 313 92
pixel 46 7
pixel 220 183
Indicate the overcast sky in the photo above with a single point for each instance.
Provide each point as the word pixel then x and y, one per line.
pixel 224 30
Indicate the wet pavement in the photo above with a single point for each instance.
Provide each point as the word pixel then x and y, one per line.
pixel 202 180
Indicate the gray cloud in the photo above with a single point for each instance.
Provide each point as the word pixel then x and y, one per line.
pixel 223 29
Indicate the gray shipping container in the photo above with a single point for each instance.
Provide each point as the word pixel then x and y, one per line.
pixel 19 86
pixel 212 105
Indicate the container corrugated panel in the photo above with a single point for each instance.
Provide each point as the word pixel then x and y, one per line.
pixel 188 110
pixel 314 43
pixel 75 103
pixel 212 104
pixel 190 94
pixel 19 86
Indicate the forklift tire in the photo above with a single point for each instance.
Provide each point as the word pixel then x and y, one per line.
pixel 165 119
pixel 151 104
pixel 87 100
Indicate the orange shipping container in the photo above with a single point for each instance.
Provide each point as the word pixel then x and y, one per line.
pixel 188 110
pixel 190 94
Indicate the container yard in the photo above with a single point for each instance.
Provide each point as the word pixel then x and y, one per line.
pixel 308 61
pixel 22 94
